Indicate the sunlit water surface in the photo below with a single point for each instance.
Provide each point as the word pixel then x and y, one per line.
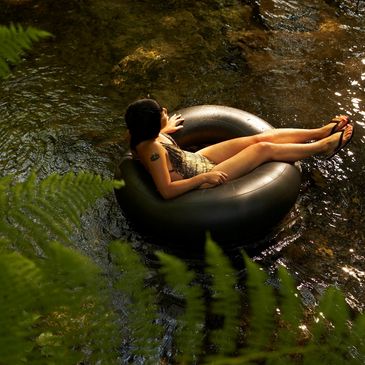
pixel 62 109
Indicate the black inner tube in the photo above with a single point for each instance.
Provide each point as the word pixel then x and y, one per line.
pixel 236 212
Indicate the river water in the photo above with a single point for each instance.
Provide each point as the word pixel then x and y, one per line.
pixel 293 63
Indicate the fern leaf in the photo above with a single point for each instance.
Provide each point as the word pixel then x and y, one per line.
pixel 10 52
pixel 77 322
pixel 4 202
pixel 14 40
pixel 4 68
pixel 60 198
pixel 262 308
pixel 65 317
pixel 142 309
pixel 358 338
pixel 36 34
pixel 4 244
pixel 30 231
pixel 6 231
pixel 44 211
pixel 19 281
pixel 225 297
pixel 189 336
pixel 290 305
pixel 330 331
pixel 69 186
pixel 290 310
pixel 334 308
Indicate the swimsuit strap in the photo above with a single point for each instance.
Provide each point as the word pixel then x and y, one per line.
pixel 175 155
pixel 167 145
pixel 170 138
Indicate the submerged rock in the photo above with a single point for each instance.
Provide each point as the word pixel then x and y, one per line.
pixel 179 47
pixel 283 50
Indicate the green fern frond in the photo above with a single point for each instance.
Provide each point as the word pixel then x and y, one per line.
pixel 14 40
pixel 70 269
pixel 291 310
pixel 72 317
pixel 142 308
pixel 290 316
pixel 226 299
pixel 33 214
pixel 56 308
pixel 286 336
pixel 19 282
pixel 358 331
pixel 330 332
pixel 262 306
pixel 77 322
pixel 56 189
pixel 190 333
pixel 334 308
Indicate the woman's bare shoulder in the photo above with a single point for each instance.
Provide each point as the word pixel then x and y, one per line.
pixel 148 148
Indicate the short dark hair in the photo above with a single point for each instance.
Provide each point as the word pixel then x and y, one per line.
pixel 143 119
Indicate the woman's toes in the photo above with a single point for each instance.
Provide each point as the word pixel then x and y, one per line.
pixel 343 138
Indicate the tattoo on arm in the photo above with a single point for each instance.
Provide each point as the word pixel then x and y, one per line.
pixel 155 156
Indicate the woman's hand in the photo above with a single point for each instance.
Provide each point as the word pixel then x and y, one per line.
pixel 174 123
pixel 213 178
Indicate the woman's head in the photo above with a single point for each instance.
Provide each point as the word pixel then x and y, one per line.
pixel 143 119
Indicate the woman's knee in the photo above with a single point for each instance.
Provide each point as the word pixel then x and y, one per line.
pixel 268 136
pixel 264 148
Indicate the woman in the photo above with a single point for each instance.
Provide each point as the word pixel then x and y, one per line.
pixel 175 171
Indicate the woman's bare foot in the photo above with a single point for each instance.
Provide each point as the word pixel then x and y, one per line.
pixel 336 125
pixel 337 141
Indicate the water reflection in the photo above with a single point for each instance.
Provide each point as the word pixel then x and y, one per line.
pixel 50 123
pixel 59 111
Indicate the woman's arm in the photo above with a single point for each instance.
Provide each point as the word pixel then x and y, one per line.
pixel 153 156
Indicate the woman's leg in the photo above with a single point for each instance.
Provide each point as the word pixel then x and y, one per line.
pixel 256 154
pixel 220 152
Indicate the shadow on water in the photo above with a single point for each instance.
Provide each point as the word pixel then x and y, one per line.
pixel 293 63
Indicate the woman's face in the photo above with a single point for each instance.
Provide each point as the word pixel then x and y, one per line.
pixel 164 118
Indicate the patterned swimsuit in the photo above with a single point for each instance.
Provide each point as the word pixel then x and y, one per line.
pixel 185 163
